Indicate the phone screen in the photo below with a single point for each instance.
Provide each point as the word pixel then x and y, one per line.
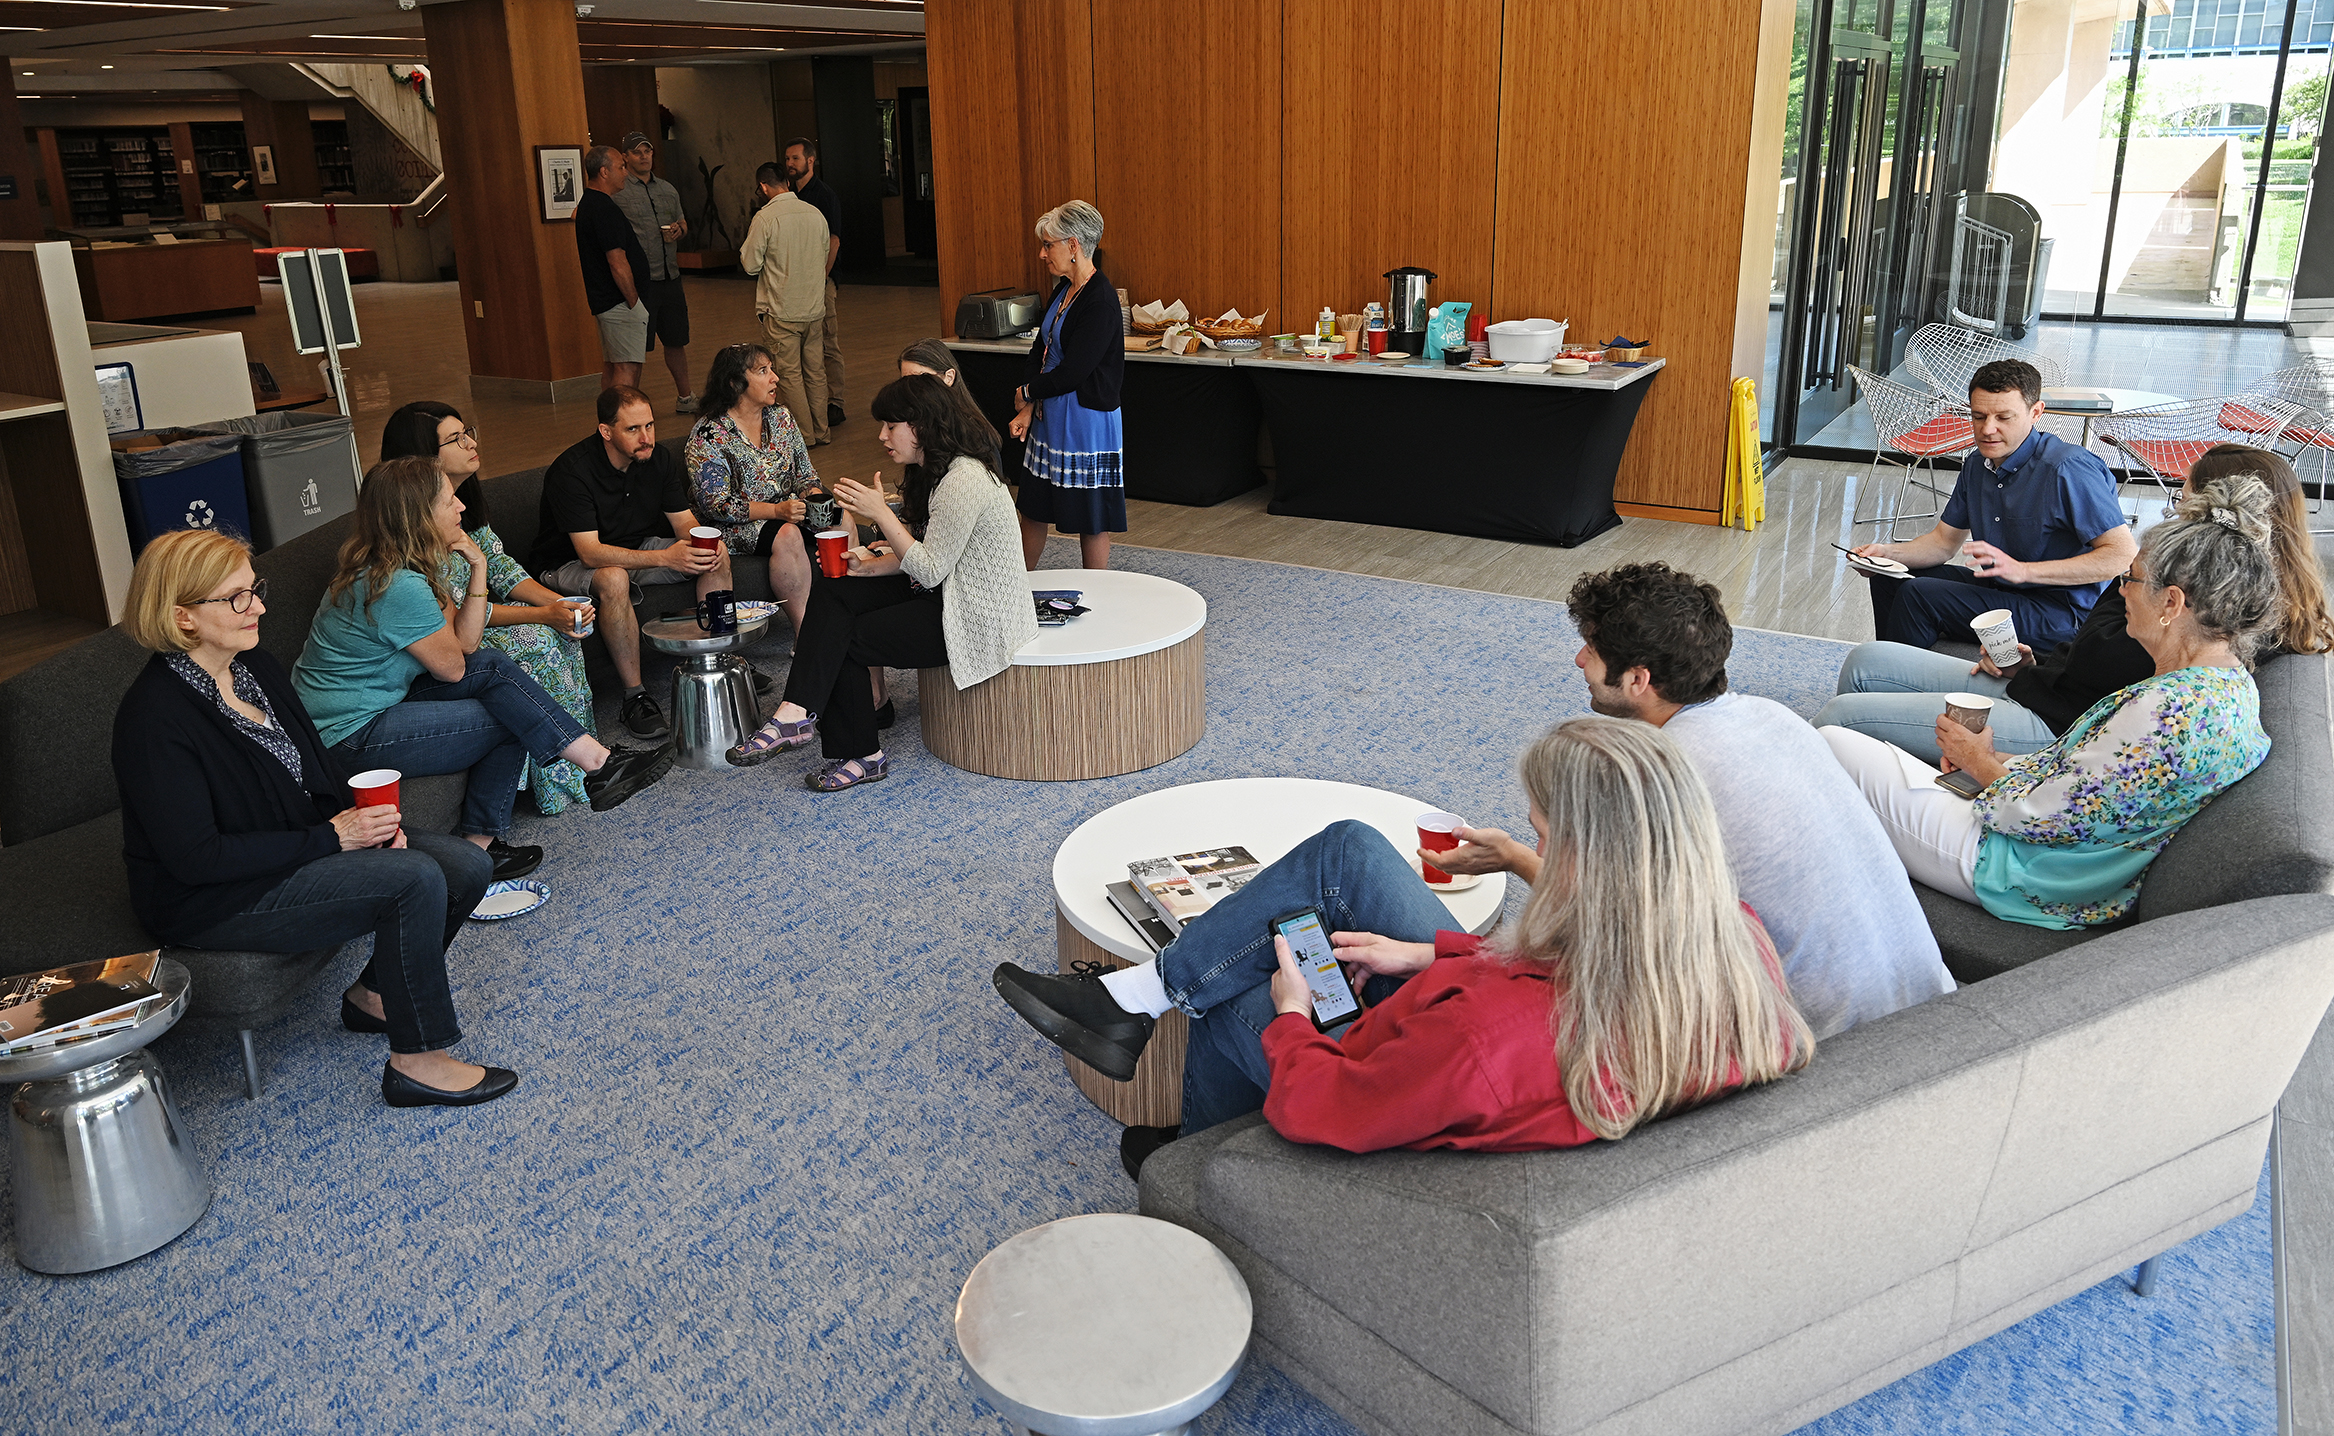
pixel 1960 784
pixel 1333 999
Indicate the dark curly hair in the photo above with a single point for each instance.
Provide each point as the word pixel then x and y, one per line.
pixel 2004 376
pixel 945 432
pixel 725 382
pixel 1650 616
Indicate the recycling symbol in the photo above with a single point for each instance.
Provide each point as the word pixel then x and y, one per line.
pixel 199 516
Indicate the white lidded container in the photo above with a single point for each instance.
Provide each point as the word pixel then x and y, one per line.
pixel 1527 341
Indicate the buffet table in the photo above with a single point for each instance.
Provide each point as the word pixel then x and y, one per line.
pixel 1190 423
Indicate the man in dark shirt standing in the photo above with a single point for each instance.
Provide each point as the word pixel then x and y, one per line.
pixel 614 268
pixel 616 515
pixel 802 174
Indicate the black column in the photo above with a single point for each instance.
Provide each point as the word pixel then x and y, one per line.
pixel 851 155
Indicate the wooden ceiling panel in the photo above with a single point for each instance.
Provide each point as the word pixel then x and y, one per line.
pixel 30 15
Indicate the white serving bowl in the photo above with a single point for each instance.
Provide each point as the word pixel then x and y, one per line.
pixel 1527 341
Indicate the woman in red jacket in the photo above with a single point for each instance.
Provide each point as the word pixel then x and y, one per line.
pixel 1635 985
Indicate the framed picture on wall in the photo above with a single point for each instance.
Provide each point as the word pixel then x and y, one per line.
pixel 560 169
pixel 263 163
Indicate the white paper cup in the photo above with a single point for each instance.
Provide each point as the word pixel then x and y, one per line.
pixel 1998 636
pixel 1970 710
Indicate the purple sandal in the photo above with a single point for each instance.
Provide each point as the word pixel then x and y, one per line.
pixel 833 777
pixel 771 737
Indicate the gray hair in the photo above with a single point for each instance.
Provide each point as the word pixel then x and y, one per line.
pixel 2215 550
pixel 1076 220
pixel 599 159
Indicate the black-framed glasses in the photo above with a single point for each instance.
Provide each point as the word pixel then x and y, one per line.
pixel 2131 575
pixel 469 435
pixel 239 600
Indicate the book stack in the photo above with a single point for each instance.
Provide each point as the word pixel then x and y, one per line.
pixel 65 1005
pixel 1164 895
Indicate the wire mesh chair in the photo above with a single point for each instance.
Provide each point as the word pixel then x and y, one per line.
pixel 1946 355
pixel 2165 439
pixel 1914 426
pixel 2309 387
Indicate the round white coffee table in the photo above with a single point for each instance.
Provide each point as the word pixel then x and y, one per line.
pixel 1115 690
pixel 1267 816
pixel 1103 1325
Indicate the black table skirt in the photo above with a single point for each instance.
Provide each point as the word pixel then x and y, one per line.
pixel 1190 429
pixel 1525 462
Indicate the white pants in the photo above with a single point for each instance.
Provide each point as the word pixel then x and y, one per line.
pixel 1935 833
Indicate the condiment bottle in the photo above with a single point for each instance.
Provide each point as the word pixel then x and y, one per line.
pixel 1326 326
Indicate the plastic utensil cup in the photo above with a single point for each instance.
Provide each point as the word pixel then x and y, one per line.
pixel 376 788
pixel 1970 710
pixel 1438 833
pixel 1998 636
pixel 580 600
pixel 704 538
pixel 831 543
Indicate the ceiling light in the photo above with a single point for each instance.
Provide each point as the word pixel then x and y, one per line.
pixel 407 38
pixel 126 4
pixel 31 29
pixel 105 67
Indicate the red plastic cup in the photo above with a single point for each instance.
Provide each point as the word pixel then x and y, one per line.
pixel 375 789
pixel 1375 339
pixel 1438 833
pixel 832 542
pixel 704 538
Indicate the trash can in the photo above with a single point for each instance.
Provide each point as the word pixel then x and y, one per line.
pixel 192 481
pixel 299 472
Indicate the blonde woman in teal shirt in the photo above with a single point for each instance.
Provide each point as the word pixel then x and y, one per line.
pixel 2062 837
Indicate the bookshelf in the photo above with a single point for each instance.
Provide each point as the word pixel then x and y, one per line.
pixel 116 171
pixel 222 162
pixel 334 170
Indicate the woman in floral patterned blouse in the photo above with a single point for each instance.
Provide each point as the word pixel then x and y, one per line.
pixel 2062 837
pixel 750 474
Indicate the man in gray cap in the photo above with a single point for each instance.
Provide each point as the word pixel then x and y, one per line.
pixel 654 207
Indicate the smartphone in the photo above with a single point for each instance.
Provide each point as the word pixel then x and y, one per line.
pixel 1960 784
pixel 1334 1004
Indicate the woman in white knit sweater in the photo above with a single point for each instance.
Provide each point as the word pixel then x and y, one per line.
pixel 950 590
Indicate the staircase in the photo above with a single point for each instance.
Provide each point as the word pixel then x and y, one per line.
pixel 395 105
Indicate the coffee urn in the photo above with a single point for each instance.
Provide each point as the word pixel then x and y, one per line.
pixel 1406 303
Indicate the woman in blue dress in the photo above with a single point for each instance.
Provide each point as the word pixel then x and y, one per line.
pixel 1067 408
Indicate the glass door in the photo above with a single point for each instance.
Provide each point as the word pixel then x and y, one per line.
pixel 1830 304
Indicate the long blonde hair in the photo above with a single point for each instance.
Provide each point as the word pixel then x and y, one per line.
pixel 1663 984
pixel 394 530
pixel 2306 623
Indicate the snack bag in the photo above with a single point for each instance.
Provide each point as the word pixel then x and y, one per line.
pixel 1446 328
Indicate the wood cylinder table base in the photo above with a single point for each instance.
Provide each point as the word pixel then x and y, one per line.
pixel 1059 722
pixel 1155 1097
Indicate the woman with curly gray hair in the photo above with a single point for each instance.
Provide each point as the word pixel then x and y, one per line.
pixel 2061 837
pixel 1067 406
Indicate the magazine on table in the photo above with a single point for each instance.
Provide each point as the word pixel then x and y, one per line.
pixel 1182 887
pixel 65 1004
pixel 1057 606
pixel 1136 909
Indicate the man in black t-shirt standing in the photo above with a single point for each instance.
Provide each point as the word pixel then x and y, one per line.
pixel 616 515
pixel 615 268
pixel 802 175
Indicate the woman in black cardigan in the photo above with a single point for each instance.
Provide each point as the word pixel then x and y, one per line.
pixel 239 834
pixel 1067 408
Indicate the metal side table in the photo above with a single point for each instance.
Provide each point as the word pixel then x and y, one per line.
pixel 714 708
pixel 103 1168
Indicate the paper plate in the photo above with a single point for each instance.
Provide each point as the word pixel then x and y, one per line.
pixel 510 898
pixel 1459 883
pixel 1239 345
pixel 1887 566
pixel 750 610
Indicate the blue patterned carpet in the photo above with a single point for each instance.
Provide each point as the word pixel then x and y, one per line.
pixel 771 1112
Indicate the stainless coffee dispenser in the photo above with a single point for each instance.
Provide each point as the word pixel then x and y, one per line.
pixel 1406 303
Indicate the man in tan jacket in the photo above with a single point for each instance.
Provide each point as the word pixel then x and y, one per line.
pixel 786 247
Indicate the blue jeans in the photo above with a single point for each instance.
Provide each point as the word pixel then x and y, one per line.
pixel 488 722
pixel 1939 603
pixel 411 900
pixel 1220 970
pixel 1896 694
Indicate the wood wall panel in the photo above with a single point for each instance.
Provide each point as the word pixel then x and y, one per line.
pixel 619 99
pixel 1631 222
pixel 282 126
pixel 20 218
pixel 1012 134
pixel 1372 186
pixel 1187 154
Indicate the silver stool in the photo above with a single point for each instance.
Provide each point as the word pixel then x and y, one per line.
pixel 104 1170
pixel 714 708
pixel 1103 1325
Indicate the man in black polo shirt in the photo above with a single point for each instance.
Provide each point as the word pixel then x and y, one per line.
pixel 802 173
pixel 616 515
pixel 615 268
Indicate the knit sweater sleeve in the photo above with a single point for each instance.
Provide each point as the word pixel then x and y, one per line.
pixel 956 506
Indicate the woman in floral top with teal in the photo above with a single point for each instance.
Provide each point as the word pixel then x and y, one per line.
pixel 525 620
pixel 2062 837
pixel 750 474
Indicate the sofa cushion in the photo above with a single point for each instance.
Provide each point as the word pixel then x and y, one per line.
pixel 68 897
pixel 56 737
pixel 1977 945
pixel 297 574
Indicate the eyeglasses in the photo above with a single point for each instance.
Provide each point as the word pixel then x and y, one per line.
pixel 2131 575
pixel 239 601
pixel 467 436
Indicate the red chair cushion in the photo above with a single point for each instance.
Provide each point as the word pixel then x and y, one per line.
pixel 1945 434
pixel 2243 418
pixel 2170 459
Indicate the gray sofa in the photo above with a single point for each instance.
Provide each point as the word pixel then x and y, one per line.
pixel 1931 1178
pixel 60 813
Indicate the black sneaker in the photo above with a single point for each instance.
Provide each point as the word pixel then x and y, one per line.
pixel 627 771
pixel 1078 1015
pixel 835 415
pixel 512 862
pixel 643 717
pixel 1136 1144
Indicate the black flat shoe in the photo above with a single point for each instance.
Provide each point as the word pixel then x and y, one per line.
pixel 356 1019
pixel 1136 1144
pixel 1078 1015
pixel 512 862
pixel 627 772
pixel 399 1090
pixel 886 715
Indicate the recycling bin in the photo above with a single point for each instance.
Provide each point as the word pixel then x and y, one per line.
pixel 299 471
pixel 193 481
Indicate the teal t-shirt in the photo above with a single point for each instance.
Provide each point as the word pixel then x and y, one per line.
pixel 355 666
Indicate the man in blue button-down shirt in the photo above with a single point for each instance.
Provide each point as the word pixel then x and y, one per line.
pixel 2037 518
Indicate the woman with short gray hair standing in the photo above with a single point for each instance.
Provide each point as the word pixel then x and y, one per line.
pixel 1067 407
